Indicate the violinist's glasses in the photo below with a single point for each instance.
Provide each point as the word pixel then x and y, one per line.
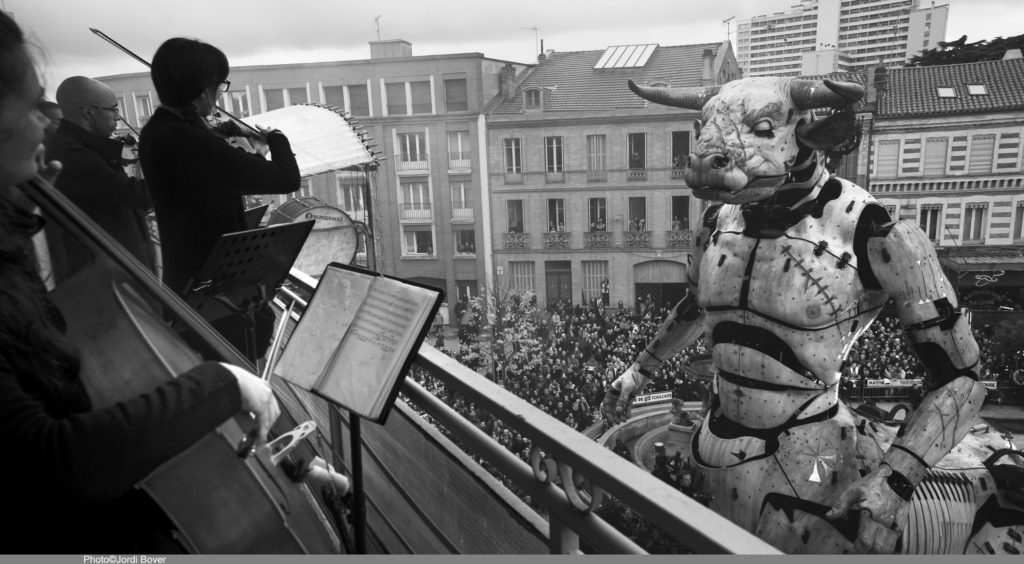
pixel 115 109
pixel 223 86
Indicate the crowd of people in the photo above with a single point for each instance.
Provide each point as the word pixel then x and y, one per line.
pixel 580 349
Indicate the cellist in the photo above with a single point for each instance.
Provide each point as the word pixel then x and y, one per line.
pixel 196 179
pixel 70 469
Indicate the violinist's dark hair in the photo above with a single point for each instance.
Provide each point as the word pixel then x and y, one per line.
pixel 15 62
pixel 182 68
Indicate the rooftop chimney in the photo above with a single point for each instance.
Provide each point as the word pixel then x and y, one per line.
pixel 507 84
pixel 707 63
pixel 390 49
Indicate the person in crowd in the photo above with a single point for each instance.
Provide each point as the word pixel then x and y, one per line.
pixel 69 483
pixel 197 180
pixel 93 176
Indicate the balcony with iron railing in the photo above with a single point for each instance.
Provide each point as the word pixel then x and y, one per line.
pixel 427 491
pixel 462 213
pixel 679 239
pixel 397 109
pixel 418 212
pixel 459 161
pixel 556 240
pixel 517 241
pixel 597 176
pixel 636 174
pixel 422 108
pixel 455 106
pixel 416 163
pixel 637 239
pixel 597 239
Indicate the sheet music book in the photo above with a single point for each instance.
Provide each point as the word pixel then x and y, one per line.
pixel 358 337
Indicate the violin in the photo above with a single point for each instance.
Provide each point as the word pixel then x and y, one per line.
pixel 247 138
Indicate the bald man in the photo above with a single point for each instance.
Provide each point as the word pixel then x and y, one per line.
pixel 93 176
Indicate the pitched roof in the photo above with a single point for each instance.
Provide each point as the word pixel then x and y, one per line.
pixel 913 91
pixel 574 84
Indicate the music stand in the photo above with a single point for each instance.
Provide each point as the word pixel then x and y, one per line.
pixel 243 270
pixel 254 215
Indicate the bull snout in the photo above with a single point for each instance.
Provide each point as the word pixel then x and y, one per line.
pixel 715 161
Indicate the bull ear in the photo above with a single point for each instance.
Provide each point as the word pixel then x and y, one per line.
pixel 827 133
pixel 810 94
pixel 690 97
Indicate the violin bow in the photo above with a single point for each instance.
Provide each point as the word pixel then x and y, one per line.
pixel 131 54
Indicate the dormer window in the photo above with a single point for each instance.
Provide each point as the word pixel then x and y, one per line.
pixel 532 98
pixel 946 92
pixel 977 89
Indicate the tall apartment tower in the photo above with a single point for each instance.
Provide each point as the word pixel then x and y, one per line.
pixel 822 36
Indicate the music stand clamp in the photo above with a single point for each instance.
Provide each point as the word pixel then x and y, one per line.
pixel 242 272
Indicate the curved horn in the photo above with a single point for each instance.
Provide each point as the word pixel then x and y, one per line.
pixel 690 97
pixel 809 94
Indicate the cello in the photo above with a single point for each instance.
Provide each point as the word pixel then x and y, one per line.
pixel 221 500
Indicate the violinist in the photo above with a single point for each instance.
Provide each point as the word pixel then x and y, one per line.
pixel 197 179
pixel 93 176
pixel 70 469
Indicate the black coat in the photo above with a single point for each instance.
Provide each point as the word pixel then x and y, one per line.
pixel 95 181
pixel 197 181
pixel 70 469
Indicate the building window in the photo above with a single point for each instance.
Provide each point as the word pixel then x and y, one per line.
pixel 553 154
pixel 977 90
pixel 358 100
pixel 143 108
pixel 462 205
pixel 935 156
pixel 596 154
pixel 680 213
pixel 1018 222
pixel 273 99
pixel 395 93
pixel 465 242
pixel 595 273
pixel 946 92
pixel 974 223
pixel 455 97
pixel 532 98
pixel 415 201
pixel 421 97
pixel 417 241
pixel 680 151
pixel 334 96
pixel 121 108
pixel 636 145
pixel 239 101
pixel 458 146
pixel 887 158
pixel 1008 156
pixel 350 196
pixel 637 220
pixel 556 214
pixel 514 215
pixel 598 214
pixel 982 152
pixel 521 276
pixel 306 188
pixel 412 147
pixel 513 156
pixel 930 219
pixel 297 96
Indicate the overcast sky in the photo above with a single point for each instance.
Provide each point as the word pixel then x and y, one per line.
pixel 286 31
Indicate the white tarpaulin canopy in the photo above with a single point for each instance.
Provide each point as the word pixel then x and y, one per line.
pixel 321 138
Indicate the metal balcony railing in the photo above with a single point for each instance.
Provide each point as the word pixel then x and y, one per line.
pixel 397 110
pixel 517 241
pixel 638 239
pixel 680 239
pixel 418 163
pixel 636 174
pixel 457 106
pixel 597 239
pixel 462 214
pixel 597 176
pixel 556 240
pixel 426 495
pixel 418 211
pixel 423 108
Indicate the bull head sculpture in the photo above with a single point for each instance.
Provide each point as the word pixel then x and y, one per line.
pixel 751 131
